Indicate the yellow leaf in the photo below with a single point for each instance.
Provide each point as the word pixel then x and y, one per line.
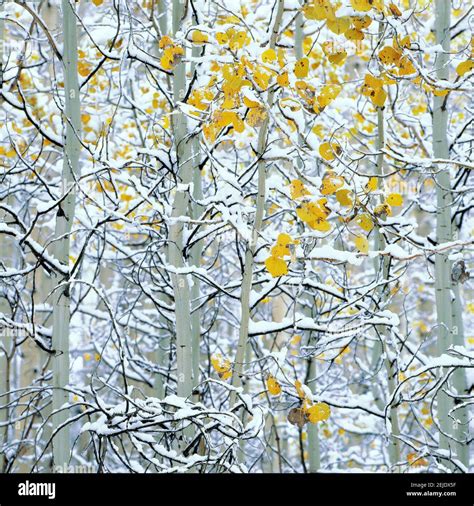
pixel 394 10
pixel 301 68
pixel 97 2
pixel 269 56
pixel 361 22
pixel 298 189
pixel 354 34
pixel 389 55
pixel 273 386
pixel 371 185
pixel 339 25
pixel 283 80
pixel 276 266
pixel 362 244
pixel 328 151
pixel 343 196
pixel 362 5
pixel 331 183
pixel 222 366
pixel 199 37
pixel 319 412
pixel 395 199
pixel 165 41
pixel 365 222
pixel 465 67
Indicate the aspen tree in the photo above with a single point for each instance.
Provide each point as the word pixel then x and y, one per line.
pixel 64 222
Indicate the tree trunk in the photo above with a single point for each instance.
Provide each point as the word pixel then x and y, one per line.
pixel 184 169
pixel 257 226
pixel 64 221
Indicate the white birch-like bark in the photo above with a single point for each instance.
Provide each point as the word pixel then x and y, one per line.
pixel 180 206
pixel 64 221
pixel 443 211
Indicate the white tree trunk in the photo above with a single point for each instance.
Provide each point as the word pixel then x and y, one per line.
pixel 180 207
pixel 443 212
pixel 64 221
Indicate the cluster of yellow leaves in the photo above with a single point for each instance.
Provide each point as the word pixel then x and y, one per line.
pixel 234 38
pixel 373 89
pixel 350 26
pixel 222 366
pixel 275 264
pixel 309 411
pixel 273 386
pixel 200 99
pixel 172 53
pixel 315 214
pixel 328 93
pixel 393 56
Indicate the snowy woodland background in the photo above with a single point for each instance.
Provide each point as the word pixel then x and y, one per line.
pixel 236 236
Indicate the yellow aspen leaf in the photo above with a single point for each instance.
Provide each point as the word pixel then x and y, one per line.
pixel 222 38
pixel 83 68
pixel 298 189
pixel 318 412
pixel 405 66
pixel 389 55
pixel 97 2
pixel 394 10
pixel 440 93
pixel 361 22
pixel 331 183
pixel 273 386
pixel 165 41
pixel 371 185
pixel 362 5
pixel 318 10
pixel 276 266
pixel 379 97
pixel 284 239
pixel 365 222
pixel 269 56
pixel 283 80
pixel 301 68
pixel 343 196
pixel 338 57
pixel 362 244
pixel 328 151
pixel 296 340
pixel 415 461
pixel 199 37
pixel 354 34
pixel 339 25
pixel 465 67
pixel 222 366
pixel 395 199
